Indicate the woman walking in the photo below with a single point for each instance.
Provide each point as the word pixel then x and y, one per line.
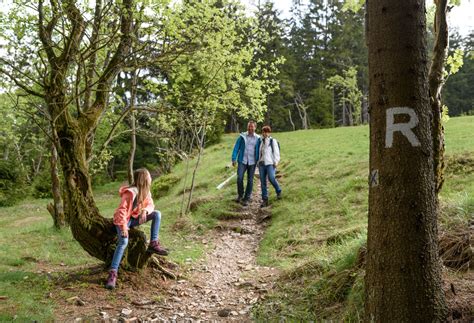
pixel 269 157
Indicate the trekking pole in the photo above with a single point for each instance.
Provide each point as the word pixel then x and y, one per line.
pixel 221 185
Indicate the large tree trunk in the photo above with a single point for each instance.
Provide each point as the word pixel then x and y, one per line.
pixel 403 278
pixel 96 234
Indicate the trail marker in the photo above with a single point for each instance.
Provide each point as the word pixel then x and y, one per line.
pixel 404 128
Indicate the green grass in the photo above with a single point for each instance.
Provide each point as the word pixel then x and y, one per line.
pixel 31 248
pixel 314 236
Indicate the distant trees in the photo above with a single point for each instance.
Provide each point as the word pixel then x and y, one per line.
pixel 458 93
pixel 350 96
pixel 403 271
pixel 321 39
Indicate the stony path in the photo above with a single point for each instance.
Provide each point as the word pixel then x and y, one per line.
pixel 223 286
pixel 227 283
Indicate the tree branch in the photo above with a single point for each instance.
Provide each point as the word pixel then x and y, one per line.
pixel 45 32
pixel 93 48
pixel 114 65
pixel 24 87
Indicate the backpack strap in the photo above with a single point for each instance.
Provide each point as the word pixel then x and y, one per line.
pixel 135 202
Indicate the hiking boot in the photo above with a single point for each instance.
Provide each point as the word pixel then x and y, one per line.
pixel 279 196
pixel 238 200
pixel 155 247
pixel 245 202
pixel 264 203
pixel 112 279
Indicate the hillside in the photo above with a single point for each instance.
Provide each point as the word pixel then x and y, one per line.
pixel 314 236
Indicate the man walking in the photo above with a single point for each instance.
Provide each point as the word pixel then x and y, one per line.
pixel 245 154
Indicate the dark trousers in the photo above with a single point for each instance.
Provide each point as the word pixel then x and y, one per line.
pixel 241 169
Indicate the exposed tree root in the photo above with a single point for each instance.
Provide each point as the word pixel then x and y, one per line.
pixel 159 264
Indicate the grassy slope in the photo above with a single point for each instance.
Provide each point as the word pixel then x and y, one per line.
pixel 325 197
pixel 319 227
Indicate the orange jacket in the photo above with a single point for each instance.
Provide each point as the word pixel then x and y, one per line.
pixel 125 210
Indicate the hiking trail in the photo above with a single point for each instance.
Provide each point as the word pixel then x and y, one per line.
pixel 223 286
pixel 227 283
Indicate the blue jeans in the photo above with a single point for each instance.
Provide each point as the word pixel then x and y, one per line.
pixel 155 218
pixel 241 169
pixel 268 170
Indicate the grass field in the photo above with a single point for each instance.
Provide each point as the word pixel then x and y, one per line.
pixel 314 235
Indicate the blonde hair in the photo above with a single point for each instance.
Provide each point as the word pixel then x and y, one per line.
pixel 140 181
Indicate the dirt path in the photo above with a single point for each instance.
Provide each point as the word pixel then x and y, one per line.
pixel 224 286
pixel 228 282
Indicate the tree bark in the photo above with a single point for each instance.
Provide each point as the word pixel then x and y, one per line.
pixel 436 79
pixel 301 107
pixel 95 233
pixel 403 276
pixel 133 143
pixel 133 147
pixel 56 208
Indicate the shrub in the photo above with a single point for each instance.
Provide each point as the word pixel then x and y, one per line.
pixel 100 179
pixel 162 185
pixel 42 184
pixel 12 183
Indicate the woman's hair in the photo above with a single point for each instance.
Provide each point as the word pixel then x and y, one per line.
pixel 266 129
pixel 140 181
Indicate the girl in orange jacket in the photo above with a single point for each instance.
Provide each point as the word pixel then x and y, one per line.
pixel 136 207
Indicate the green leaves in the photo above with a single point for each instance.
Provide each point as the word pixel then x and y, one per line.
pixel 214 72
pixel 454 61
pixel 353 5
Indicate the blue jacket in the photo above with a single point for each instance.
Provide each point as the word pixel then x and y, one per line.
pixel 239 148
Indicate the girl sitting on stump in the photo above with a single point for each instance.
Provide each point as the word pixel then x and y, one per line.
pixel 136 208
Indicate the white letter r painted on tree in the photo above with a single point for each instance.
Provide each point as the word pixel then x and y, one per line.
pixel 404 128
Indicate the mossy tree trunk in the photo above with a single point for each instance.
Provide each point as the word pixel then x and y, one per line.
pixel 95 233
pixel 436 82
pixel 76 127
pixel 403 273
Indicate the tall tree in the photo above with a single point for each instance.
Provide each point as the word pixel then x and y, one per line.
pixel 403 278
